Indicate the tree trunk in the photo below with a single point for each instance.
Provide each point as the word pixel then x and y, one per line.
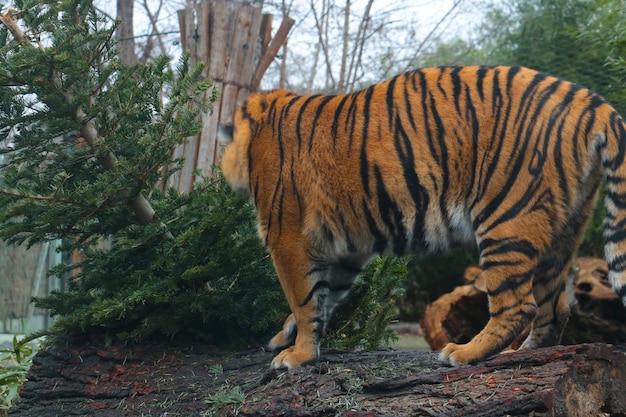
pixel 581 380
pixel 125 35
pixel 596 311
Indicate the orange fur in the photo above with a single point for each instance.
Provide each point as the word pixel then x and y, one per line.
pixel 506 158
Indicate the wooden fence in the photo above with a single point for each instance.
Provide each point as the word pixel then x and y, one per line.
pixel 23 276
pixel 233 40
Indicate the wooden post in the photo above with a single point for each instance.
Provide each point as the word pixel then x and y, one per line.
pixel 233 40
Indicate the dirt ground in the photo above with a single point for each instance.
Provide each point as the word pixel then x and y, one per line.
pixel 147 381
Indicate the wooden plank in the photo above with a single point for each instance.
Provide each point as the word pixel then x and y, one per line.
pixel 272 50
pixel 249 49
pixel 246 33
pixel 19 266
pixel 203 36
pixel 182 25
pixel 265 33
pixel 196 23
pixel 221 21
pixel 201 54
pixel 181 179
pixel 208 143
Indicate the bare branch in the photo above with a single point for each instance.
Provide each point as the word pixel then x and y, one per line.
pixel 154 18
pixel 432 33
pixel 321 30
pixel 360 44
pixel 7 20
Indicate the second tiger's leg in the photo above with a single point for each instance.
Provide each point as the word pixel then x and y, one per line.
pixel 552 313
pixel 286 337
pixel 549 287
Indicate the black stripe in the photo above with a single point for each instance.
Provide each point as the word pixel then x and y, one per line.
pixel 470 114
pixel 497 263
pixel 529 315
pixel 390 214
pixel 511 72
pixel 619 129
pixel 550 295
pixel 493 247
pixel 380 243
pixel 480 78
pixel 619 199
pixel 295 190
pixel 616 237
pixel 456 88
pixel 318 113
pixel 279 183
pixel 491 157
pixel 511 283
pixel 349 266
pixel 323 284
pixel 516 158
pixel 390 102
pixel 614 179
pixel 418 193
pixel 559 145
pixel 407 104
pixel 618 264
pixel 299 118
pixel 439 78
pixel 352 109
pixel 335 126
pixel 366 117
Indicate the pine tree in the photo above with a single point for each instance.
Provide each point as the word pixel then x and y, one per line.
pixel 85 137
pixel 86 145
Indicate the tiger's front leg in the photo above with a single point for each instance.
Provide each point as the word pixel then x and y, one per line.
pixel 313 289
pixel 304 324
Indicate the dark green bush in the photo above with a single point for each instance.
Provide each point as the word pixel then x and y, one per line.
pixel 212 283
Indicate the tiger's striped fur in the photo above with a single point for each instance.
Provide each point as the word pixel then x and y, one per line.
pixel 506 158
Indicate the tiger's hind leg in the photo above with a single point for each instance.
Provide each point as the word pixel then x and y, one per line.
pixel 509 266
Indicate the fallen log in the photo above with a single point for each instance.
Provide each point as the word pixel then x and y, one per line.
pixel 580 380
pixel 596 312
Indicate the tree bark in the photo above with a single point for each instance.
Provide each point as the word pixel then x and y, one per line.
pixel 596 312
pixel 125 35
pixel 580 380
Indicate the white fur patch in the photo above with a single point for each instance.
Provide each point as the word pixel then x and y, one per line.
pixel 461 223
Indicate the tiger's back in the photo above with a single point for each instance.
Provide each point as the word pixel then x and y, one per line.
pixel 507 158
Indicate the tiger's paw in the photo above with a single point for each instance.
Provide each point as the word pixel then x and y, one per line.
pixel 292 357
pixel 457 355
pixel 286 337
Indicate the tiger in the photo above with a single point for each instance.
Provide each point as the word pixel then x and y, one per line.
pixel 505 158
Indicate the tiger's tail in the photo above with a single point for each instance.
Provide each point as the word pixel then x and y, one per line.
pixel 613 152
